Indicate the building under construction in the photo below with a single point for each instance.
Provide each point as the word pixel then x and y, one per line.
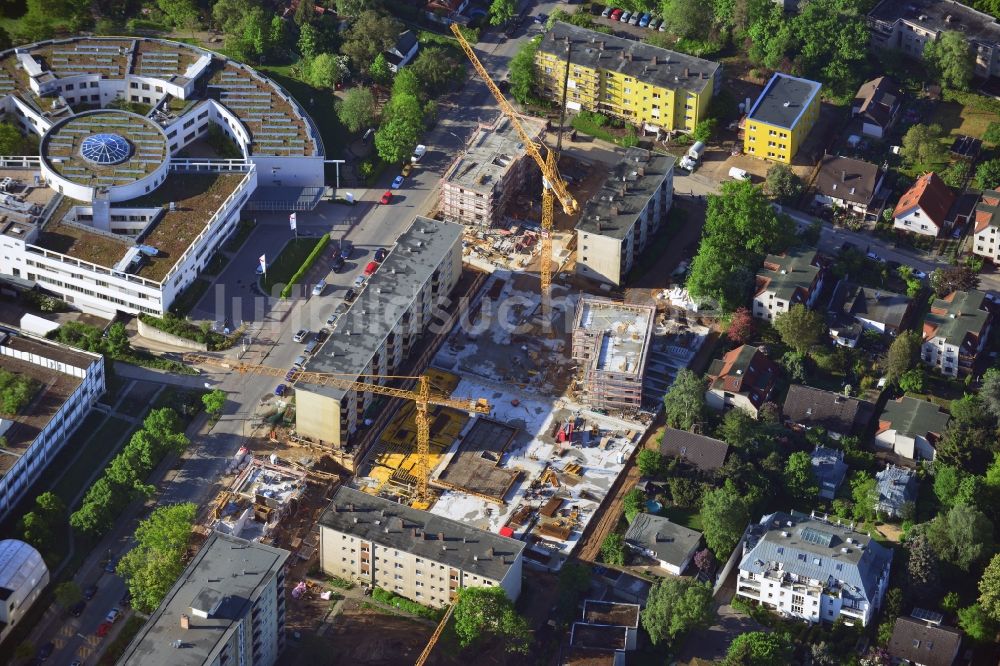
pixel 481 181
pixel 264 494
pixel 610 344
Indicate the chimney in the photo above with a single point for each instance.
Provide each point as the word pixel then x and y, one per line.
pixel 185 621
pixel 600 45
pixel 641 170
pixel 656 59
pixel 440 536
pixel 843 175
pixel 687 72
pixel 628 56
pixel 614 209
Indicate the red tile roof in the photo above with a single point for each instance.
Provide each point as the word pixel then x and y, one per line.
pixel 931 195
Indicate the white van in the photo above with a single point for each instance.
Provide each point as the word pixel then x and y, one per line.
pixel 738 174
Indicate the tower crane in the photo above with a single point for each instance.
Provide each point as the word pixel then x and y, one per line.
pixel 553 185
pixel 421 396
pixel 426 652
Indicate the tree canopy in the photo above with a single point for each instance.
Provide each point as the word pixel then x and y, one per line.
pixel 676 606
pixel 685 400
pixel 371 33
pixel 799 478
pixel 922 145
pixel 153 566
pixel 725 515
pixel 951 59
pixel 483 612
pixel 782 184
pixel 502 11
pixel 989 589
pixel 800 328
pixel 357 109
pixel 963 536
pixel 759 648
pixel 903 355
pixel 522 74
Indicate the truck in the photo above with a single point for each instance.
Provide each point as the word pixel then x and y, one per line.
pixel 696 151
pixel 418 152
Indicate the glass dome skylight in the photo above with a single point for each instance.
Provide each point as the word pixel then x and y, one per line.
pixel 105 149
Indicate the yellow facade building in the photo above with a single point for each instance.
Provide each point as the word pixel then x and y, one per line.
pixel 644 85
pixel 781 118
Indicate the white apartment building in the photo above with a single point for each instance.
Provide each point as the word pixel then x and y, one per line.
pixel 478 186
pixel 909 25
pixel 620 221
pixel 793 278
pixel 23 577
pixel 397 305
pixel 986 233
pixel 955 331
pixel 413 553
pixel 810 568
pixel 69 382
pixel 106 215
pixel 227 609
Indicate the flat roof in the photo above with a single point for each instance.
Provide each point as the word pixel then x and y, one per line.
pixel 489 154
pixel 475 463
pixel 233 572
pixel 624 332
pixel 933 15
pixel 420 533
pixel 598 637
pixel 615 208
pixel 610 612
pixel 783 100
pixel 387 296
pixel 647 63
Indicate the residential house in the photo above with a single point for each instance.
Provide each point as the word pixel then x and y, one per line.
pixel 855 309
pixel 911 428
pixel 924 642
pixel 986 233
pixel 403 51
pixel 909 25
pixel 703 453
pixel 744 377
pixel 844 182
pixel 807 407
pixel 446 11
pixel 780 120
pixel 897 491
pixel 793 278
pixel 877 105
pixel 810 568
pixel 643 85
pixel 924 208
pixel 829 469
pixel 955 332
pixel 670 544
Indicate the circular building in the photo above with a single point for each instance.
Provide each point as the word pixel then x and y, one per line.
pixel 23 576
pixel 120 154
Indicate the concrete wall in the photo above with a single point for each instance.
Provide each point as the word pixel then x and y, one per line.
pixel 152 333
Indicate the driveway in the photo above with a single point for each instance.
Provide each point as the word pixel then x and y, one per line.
pixel 711 644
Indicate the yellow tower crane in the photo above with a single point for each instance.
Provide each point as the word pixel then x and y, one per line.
pixel 421 396
pixel 553 185
pixel 426 653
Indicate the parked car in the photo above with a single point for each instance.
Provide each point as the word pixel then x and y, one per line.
pixel 418 152
pixel 957 233
pixel 321 335
pixel 407 169
pixel 76 662
pixel 260 269
pixel 875 257
pixel 318 289
pixel 332 319
pixel 280 390
pixel 540 18
pixel 635 19
pixel 738 174
pixel 89 592
pixel 311 347
pixel 655 23
pixel 358 281
pixel 397 182
pixel 616 14
pixel 45 651
pixel 386 198
pixel 109 566
pixel 346 249
pixel 76 610
pixel 341 309
pixel 349 296
pixel 644 21
pixel 337 264
pixel 112 616
pixel 607 11
pixel 299 362
pixel 102 629
pixel 371 268
pixel 625 17
pixel 663 27
pixel 290 375
pixel 300 335
pixel 381 254
pixel 919 274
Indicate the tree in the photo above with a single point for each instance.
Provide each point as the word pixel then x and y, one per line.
pixel 703 130
pixel 988 175
pixel 992 134
pixel 355 7
pixel 370 34
pixel 685 491
pixel 40 525
pixel 832 41
pixel 758 648
pixel 68 593
pixel 741 326
pixel 770 37
pixel 483 612
pixel 633 504
pixel 976 624
pixel 864 492
pixel 690 19
pixel 179 13
pixel 738 428
pixel 989 589
pixel 990 392
pixel 676 606
pixel 947 480
pixel 782 184
pixel 950 57
pixel 214 401
pixel 379 69
pixel 799 479
pixel 953 278
pixel 913 380
pixel 573 582
pixel 800 328
pixel 396 139
pixel 922 145
pixel 704 561
pixel 522 74
pixel 157 561
pixel 502 11
pixel 435 69
pixel 649 462
pixel 923 568
pixel 725 515
pixel 963 536
pixel 903 354
pixel 684 402
pixel 613 549
pixel 327 70
pixel 11 140
pixel 357 109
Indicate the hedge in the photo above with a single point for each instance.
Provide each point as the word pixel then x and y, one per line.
pixel 182 328
pixel 306 265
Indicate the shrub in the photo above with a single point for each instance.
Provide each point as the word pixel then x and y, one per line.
pixel 306 265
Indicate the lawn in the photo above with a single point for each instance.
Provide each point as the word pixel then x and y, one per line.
pixel 689 518
pixel 93 451
pixel 955 118
pixel 280 270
